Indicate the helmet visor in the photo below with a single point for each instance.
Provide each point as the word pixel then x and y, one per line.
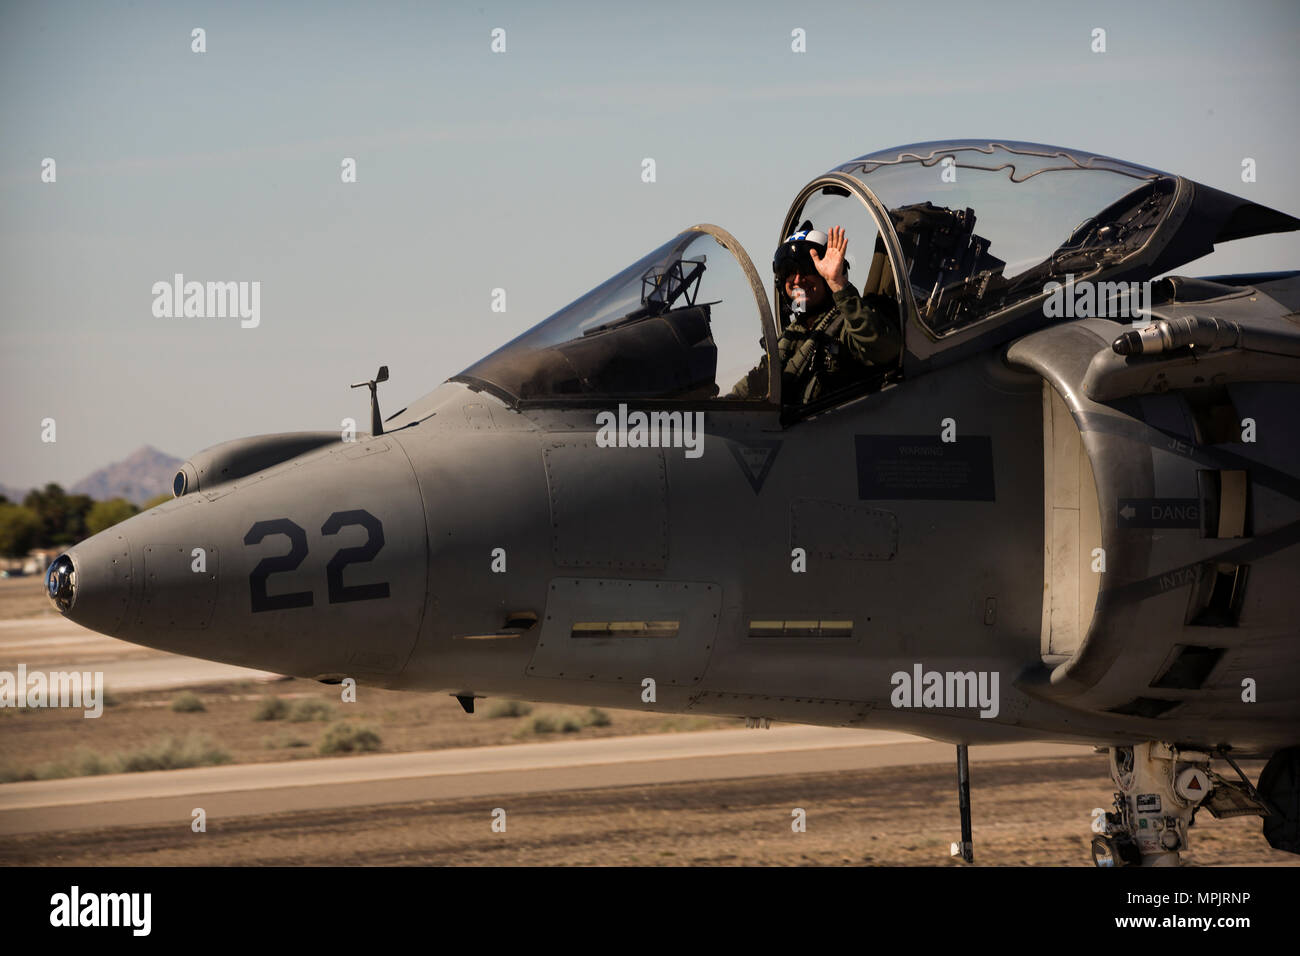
pixel 791 258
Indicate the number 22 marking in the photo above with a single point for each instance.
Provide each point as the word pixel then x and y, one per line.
pixel 339 593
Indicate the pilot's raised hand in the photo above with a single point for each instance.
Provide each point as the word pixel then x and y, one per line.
pixel 831 266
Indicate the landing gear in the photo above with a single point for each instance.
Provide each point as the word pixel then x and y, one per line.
pixel 966 850
pixel 1160 788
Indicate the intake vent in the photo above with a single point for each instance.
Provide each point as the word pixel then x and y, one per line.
pixel 1225 497
pixel 1217 422
pixel 1218 595
pixel 1189 667
pixel 1145 707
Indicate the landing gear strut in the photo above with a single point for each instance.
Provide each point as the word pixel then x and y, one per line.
pixel 1160 788
pixel 966 851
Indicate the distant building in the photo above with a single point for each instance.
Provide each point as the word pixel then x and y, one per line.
pixel 38 559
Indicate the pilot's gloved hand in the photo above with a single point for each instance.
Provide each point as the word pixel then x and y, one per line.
pixel 831 266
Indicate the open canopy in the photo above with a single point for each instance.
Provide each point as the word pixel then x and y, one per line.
pixel 983 225
pixel 684 322
pixel 967 236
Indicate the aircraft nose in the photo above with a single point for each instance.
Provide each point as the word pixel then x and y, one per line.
pixel 317 566
pixel 91 583
pixel 59 583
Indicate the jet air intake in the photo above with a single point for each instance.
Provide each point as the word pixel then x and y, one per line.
pixel 242 457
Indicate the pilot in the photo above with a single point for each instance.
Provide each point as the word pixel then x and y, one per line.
pixel 834 335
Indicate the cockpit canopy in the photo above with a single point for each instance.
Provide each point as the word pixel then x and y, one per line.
pixel 969 238
pixel 984 226
pixel 682 323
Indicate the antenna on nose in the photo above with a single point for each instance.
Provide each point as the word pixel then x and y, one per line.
pixel 376 421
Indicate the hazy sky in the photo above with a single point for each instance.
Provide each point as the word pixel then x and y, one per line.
pixel 519 170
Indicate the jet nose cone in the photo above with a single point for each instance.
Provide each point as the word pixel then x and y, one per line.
pixel 61 583
pixel 91 583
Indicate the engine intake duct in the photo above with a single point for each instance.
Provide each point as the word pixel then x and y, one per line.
pixel 237 459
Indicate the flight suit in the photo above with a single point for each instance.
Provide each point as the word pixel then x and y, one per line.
pixel 830 350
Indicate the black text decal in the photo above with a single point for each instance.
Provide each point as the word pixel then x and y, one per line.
pixel 339 592
pixel 285 562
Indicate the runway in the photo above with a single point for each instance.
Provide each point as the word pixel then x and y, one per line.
pixel 348 782
pixel 707 797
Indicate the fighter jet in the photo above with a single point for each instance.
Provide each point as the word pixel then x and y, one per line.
pixel 1068 510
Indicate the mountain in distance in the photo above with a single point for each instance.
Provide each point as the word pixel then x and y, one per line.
pixel 141 475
